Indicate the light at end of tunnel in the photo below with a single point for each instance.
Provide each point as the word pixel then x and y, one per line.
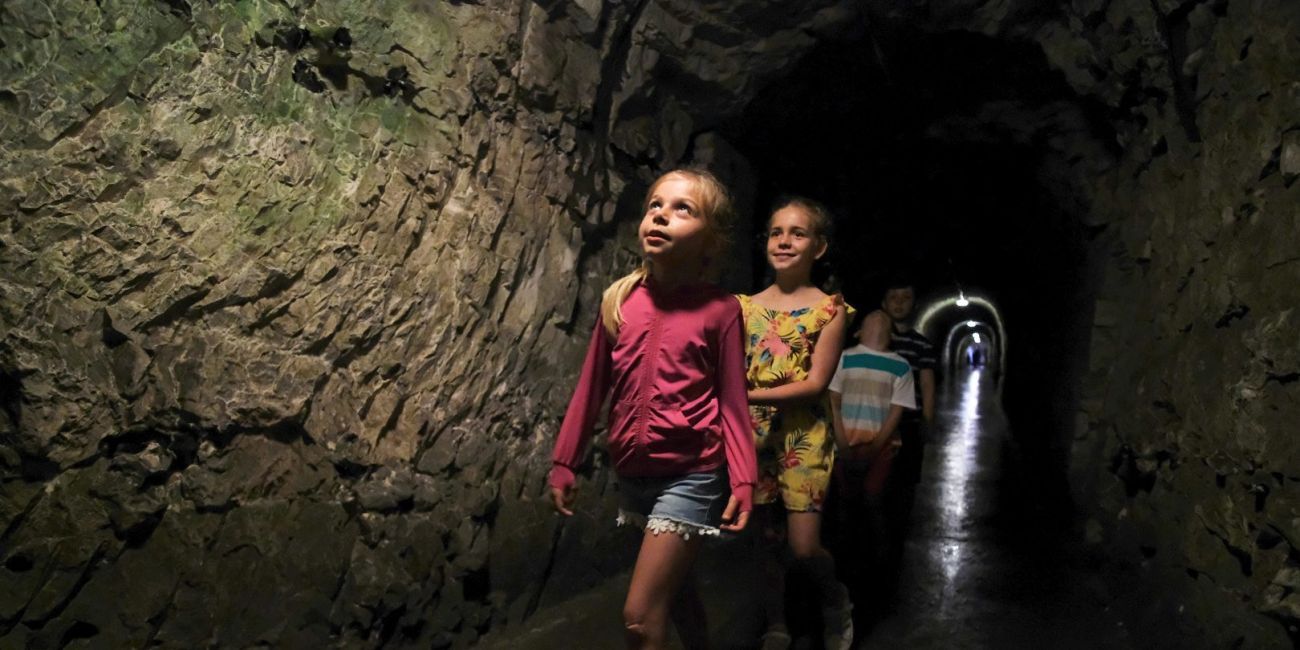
pixel 975 337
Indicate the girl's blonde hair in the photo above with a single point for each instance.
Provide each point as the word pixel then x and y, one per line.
pixel 715 207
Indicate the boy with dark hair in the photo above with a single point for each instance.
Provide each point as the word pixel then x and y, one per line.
pixel 898 302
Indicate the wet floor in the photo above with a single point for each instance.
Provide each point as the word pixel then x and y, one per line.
pixel 989 560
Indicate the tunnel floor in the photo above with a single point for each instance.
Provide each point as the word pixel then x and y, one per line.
pixel 988 561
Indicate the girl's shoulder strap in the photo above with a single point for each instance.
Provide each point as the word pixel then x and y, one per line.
pixel 837 301
pixel 826 309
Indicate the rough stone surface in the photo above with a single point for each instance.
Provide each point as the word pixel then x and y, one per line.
pixel 292 295
pixel 1185 454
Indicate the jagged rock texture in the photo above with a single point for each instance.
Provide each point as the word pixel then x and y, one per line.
pixel 1185 448
pixel 293 292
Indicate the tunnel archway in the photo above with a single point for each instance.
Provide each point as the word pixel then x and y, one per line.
pixel 944 319
pixel 967 335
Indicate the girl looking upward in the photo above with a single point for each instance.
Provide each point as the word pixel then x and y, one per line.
pixel 668 349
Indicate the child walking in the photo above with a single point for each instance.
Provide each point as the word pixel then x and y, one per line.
pixel 795 332
pixel 869 392
pixel 670 348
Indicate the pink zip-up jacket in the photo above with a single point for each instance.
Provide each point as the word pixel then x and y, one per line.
pixel 679 406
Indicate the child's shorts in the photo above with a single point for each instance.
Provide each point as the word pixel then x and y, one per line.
pixel 687 505
pixel 864 477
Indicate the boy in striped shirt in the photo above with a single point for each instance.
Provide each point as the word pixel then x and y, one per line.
pixel 869 391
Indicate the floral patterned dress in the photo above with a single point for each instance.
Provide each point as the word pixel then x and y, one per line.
pixel 796 447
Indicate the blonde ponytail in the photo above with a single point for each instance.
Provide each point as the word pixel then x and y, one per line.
pixel 611 302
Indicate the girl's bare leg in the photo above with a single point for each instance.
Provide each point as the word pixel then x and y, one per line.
pixel 804 530
pixel 805 544
pixel 661 569
pixel 688 616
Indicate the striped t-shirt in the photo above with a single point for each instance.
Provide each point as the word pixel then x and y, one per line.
pixel 919 352
pixel 869 382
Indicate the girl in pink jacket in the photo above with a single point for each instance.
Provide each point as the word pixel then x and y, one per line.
pixel 668 348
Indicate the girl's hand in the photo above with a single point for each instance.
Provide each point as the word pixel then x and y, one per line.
pixel 562 499
pixel 729 515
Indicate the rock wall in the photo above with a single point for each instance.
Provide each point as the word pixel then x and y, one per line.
pixel 292 294
pixel 1185 454
pixel 1181 453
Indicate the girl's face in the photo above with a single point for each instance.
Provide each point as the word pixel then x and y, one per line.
pixel 792 244
pixel 673 231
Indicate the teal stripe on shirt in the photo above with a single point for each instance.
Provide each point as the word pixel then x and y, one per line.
pixel 856 412
pixel 876 362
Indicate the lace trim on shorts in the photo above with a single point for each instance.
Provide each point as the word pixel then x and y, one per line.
pixel 658 525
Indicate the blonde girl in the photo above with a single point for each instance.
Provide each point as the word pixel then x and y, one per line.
pixel 669 346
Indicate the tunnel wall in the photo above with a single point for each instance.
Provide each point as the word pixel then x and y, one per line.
pixel 293 294
pixel 1185 452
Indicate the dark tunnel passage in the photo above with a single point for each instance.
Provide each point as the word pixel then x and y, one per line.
pixel 939 156
pixel 934 151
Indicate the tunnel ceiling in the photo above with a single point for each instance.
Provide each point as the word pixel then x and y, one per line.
pixel 936 140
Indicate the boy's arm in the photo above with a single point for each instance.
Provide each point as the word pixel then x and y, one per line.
pixel 904 397
pixel 927 395
pixel 890 426
pixel 837 422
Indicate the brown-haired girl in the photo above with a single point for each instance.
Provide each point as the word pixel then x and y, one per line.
pixel 794 336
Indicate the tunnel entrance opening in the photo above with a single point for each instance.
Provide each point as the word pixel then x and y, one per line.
pixel 935 153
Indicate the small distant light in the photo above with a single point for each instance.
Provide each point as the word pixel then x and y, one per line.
pixel 961 300
pixel 976 337
pixel 971 323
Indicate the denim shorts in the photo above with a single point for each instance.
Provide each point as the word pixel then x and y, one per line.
pixel 691 504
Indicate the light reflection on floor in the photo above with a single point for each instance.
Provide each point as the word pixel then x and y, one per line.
pixel 958 453
pixel 973 573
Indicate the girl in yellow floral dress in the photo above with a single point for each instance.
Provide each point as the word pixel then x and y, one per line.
pixel 794 336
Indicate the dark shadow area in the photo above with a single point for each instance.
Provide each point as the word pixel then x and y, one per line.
pixel 933 151
pixel 983 563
